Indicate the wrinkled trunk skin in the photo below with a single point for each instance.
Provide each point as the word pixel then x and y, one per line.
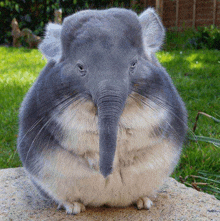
pixel 110 106
pixel 107 145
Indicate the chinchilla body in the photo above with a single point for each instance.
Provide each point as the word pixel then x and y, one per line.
pixel 103 123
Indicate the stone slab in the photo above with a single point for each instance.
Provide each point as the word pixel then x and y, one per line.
pixel 19 200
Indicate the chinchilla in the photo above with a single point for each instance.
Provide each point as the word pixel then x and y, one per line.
pixel 103 124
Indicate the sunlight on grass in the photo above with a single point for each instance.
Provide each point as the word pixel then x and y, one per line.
pixel 193 57
pixel 195 60
pixel 165 57
pixel 196 65
pixel 18 78
pixel 19 69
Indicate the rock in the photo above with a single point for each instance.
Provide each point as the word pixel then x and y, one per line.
pixel 19 200
pixel 16 33
pixel 28 36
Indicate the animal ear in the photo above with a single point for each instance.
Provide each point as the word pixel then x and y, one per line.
pixel 51 45
pixel 152 29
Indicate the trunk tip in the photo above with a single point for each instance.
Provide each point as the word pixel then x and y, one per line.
pixel 105 171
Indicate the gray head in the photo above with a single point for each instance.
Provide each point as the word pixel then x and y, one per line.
pixel 103 51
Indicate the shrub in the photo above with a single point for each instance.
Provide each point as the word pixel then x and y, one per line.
pixel 34 14
pixel 205 38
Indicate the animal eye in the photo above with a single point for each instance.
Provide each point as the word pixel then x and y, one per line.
pixel 81 69
pixel 133 66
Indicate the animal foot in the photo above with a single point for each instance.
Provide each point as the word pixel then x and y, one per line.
pixel 73 209
pixel 144 203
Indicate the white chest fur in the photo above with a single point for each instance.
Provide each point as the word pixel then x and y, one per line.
pixel 137 130
pixel 143 158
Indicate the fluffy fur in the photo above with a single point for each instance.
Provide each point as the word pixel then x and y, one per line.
pixel 60 126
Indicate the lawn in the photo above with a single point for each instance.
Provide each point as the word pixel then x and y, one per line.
pixel 196 76
pixel 18 70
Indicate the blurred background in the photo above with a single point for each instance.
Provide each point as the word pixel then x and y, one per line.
pixel 176 15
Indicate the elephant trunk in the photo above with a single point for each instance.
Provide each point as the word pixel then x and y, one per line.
pixel 110 106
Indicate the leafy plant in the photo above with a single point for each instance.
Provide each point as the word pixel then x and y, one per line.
pixel 176 40
pixel 35 14
pixel 206 37
pixel 196 138
pixel 204 181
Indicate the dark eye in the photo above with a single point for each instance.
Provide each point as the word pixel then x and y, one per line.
pixel 81 68
pixel 133 66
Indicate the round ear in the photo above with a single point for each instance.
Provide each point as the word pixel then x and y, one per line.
pixel 51 45
pixel 153 31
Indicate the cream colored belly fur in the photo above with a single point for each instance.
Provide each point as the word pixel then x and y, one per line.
pixel 142 161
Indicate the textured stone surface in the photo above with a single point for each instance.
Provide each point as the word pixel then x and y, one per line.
pixel 20 201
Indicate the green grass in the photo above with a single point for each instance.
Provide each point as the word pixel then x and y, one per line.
pixel 196 76
pixel 194 73
pixel 18 70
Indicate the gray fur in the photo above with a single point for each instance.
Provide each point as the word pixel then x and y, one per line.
pixel 51 45
pixel 153 30
pixel 103 123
